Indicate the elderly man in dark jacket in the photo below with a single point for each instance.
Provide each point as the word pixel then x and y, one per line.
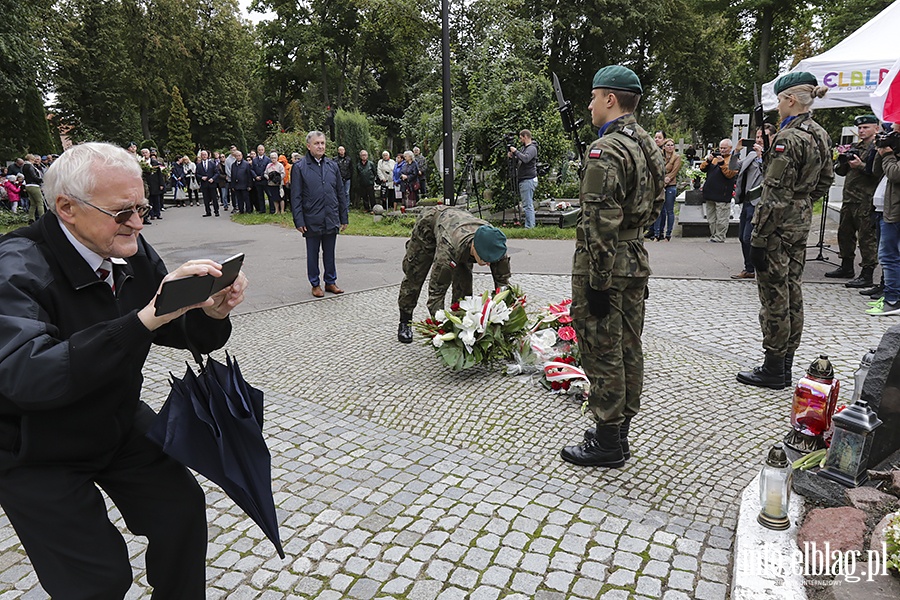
pixel 321 209
pixel 241 182
pixel 77 319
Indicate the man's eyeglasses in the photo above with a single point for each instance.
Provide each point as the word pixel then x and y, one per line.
pixel 122 216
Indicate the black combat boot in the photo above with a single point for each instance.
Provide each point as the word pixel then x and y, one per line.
pixel 623 436
pixel 604 449
pixel 769 375
pixel 788 375
pixel 404 332
pixel 864 280
pixel 845 271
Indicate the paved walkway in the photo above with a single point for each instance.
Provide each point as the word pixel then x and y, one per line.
pixel 395 478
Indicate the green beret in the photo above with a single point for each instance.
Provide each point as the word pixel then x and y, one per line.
pixel 615 77
pixel 490 243
pixel 792 79
pixel 866 120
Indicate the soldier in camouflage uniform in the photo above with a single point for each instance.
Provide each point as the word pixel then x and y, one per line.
pixel 857 168
pixel 452 240
pixel 796 169
pixel 622 191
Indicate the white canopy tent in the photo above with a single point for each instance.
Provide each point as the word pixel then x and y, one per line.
pixel 854 67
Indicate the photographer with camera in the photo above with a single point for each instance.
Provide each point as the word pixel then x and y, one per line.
pixel 887 145
pixel 526 173
pixel 856 165
pixel 721 168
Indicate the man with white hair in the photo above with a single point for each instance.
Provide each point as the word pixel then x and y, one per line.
pixel 721 169
pixel 77 320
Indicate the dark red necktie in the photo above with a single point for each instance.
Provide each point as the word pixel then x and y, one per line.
pixel 103 273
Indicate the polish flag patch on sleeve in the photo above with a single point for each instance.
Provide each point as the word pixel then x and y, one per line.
pixel 595 153
pixel 779 148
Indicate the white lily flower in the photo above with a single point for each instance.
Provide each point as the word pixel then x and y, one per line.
pixel 440 316
pixel 500 313
pixel 468 339
pixel 471 304
pixel 437 341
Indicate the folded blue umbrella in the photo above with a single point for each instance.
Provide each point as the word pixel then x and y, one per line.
pixel 212 423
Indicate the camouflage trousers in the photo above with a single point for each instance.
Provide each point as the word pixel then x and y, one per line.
pixel 420 249
pixel 856 223
pixel 780 294
pixel 611 353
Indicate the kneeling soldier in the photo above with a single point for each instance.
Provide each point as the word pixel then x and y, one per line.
pixel 452 240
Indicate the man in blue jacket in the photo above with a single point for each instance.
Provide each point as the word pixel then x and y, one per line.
pixel 77 320
pixel 321 210
pixel 241 182
pixel 259 179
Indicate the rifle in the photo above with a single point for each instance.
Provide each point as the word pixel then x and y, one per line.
pixel 570 125
pixel 759 118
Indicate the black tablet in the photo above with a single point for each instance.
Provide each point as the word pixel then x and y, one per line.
pixel 231 268
pixel 178 293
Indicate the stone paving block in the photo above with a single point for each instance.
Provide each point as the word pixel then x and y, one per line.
pixel 600 553
pixel 685 563
pixel 594 570
pixel 363 589
pixel 681 580
pixel 559 580
pixel 621 577
pixel 482 592
pixel 649 586
pixel 305 585
pixel 453 593
pixel 663 553
pixel 397 586
pixel 615 595
pixel 496 576
pixel 464 578
pixel 439 569
pixel 708 590
pixel 587 588
pixel 525 583
pixel 340 582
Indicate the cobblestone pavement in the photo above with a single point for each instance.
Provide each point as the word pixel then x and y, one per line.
pixel 395 478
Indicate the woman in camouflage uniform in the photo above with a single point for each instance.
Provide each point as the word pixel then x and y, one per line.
pixel 797 171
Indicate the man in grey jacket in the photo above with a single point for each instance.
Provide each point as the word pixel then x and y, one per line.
pixel 526 173
pixel 747 192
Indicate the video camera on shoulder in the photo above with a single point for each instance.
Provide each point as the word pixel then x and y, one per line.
pixel 888 139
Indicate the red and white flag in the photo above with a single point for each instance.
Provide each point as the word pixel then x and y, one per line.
pixel 885 100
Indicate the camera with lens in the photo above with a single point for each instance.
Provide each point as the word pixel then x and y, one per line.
pixel 888 139
pixel 507 140
pixel 845 157
pixel 715 154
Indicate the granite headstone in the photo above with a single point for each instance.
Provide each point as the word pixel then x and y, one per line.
pixel 881 390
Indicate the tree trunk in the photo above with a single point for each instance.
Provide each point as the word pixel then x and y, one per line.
pixel 764 24
pixel 359 74
pixel 325 96
pixel 145 118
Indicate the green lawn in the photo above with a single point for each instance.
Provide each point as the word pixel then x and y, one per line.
pixel 362 223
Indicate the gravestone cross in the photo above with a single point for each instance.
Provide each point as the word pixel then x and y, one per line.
pixel 740 129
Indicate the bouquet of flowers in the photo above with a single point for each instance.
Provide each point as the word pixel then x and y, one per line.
pixel 892 540
pixel 478 329
pixel 555 344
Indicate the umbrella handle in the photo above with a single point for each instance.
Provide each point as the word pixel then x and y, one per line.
pixel 190 345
